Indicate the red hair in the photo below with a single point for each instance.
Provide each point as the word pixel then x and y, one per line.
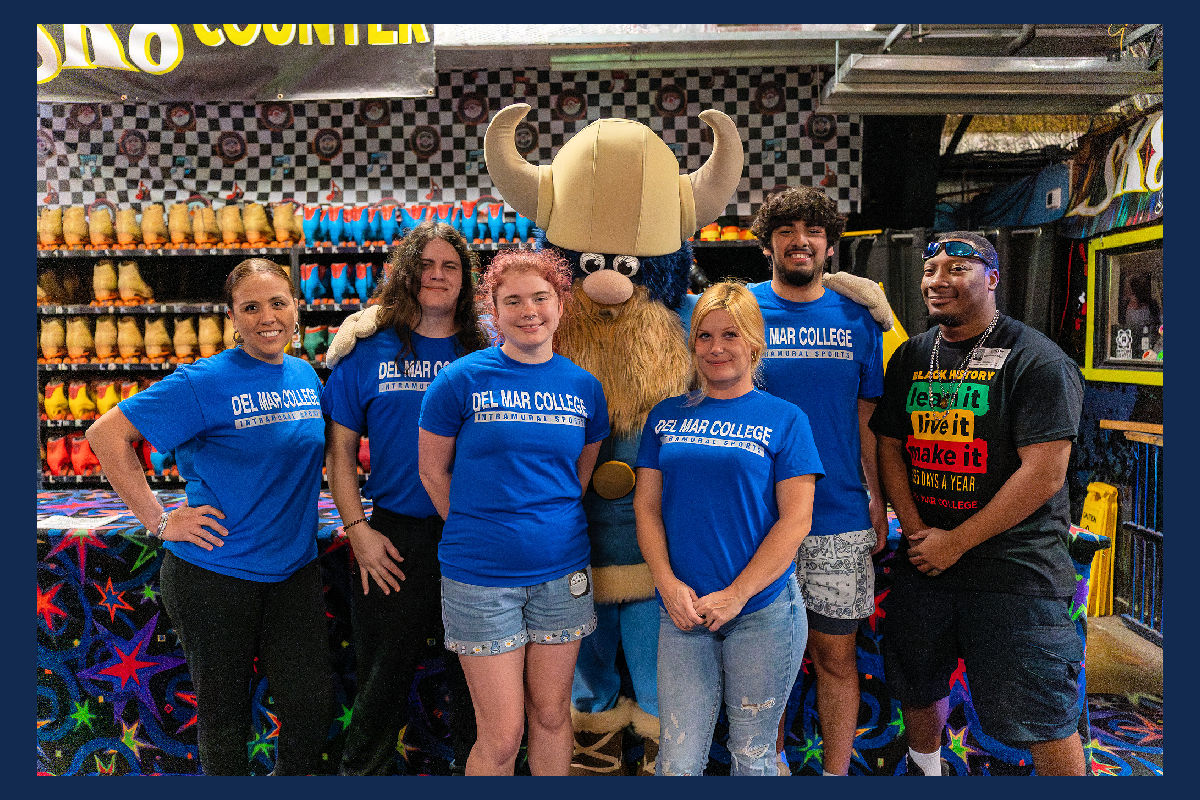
pixel 548 266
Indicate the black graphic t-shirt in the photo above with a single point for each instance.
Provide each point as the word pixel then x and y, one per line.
pixel 1020 389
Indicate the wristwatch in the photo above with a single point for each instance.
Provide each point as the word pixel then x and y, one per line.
pixel 162 524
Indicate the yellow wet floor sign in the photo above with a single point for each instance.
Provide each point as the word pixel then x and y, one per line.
pixel 1100 517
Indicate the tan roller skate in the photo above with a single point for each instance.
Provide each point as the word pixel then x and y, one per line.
pixel 104 283
pixel 158 342
pixel 185 341
pixel 258 229
pixel 211 340
pixel 131 287
pixel 75 227
pixel 131 346
pixel 106 338
pixel 229 220
pixel 50 228
pixel 100 227
pixel 204 226
pixel 154 227
pixel 129 230
pixel 179 224
pixel 52 340
pixel 80 344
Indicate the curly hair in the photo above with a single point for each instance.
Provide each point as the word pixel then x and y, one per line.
pixel 548 265
pixel 397 294
pixel 736 300
pixel 810 206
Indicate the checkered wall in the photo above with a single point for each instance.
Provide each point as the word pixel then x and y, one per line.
pixel 366 151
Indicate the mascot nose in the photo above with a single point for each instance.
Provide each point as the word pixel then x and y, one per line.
pixel 608 287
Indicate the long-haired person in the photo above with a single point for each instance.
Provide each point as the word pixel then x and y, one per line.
pixel 426 320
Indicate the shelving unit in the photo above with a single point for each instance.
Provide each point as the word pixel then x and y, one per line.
pixel 186 279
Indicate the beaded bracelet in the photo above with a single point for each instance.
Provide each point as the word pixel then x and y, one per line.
pixel 352 524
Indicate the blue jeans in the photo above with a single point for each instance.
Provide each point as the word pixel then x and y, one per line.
pixel 632 626
pixel 750 663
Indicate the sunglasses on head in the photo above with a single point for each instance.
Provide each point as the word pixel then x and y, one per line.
pixel 957 249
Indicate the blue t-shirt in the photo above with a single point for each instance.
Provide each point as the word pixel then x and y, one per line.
pixel 720 461
pixel 516 515
pixel 824 356
pixel 368 394
pixel 249 440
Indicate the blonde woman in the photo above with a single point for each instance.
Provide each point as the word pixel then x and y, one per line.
pixel 725 480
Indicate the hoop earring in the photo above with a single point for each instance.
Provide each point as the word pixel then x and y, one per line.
pixel 237 337
pixel 297 331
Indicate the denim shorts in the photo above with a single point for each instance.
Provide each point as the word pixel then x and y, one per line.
pixel 490 620
pixel 1022 655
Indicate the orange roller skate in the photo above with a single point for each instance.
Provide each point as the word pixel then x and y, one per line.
pixel 58 456
pixel 83 460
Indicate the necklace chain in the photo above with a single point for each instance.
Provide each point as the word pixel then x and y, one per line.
pixel 947 398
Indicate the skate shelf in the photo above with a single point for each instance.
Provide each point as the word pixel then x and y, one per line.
pixel 186 280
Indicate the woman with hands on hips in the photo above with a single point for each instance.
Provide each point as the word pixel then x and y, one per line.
pixel 724 498
pixel 240 577
pixel 424 320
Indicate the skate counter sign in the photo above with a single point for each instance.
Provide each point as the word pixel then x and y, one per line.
pixel 167 63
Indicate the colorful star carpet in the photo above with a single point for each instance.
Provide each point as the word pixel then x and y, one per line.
pixel 114 696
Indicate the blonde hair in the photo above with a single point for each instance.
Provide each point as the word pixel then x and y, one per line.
pixel 736 300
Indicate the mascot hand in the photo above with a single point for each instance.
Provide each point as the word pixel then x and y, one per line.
pixel 863 291
pixel 358 325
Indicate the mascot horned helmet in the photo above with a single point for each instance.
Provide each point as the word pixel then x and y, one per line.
pixel 614 189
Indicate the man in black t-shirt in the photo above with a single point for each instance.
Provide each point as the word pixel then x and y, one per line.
pixel 974 429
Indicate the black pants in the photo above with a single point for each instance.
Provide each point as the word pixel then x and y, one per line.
pixel 224 622
pixel 390 635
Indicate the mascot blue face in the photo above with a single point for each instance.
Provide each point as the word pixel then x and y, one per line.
pixel 665 277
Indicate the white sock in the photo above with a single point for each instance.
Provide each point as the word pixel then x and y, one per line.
pixel 930 763
pixel 827 774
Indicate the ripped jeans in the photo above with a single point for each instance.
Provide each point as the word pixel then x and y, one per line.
pixel 750 663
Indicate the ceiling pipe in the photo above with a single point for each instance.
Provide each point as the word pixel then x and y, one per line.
pixel 891 38
pixel 1023 39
